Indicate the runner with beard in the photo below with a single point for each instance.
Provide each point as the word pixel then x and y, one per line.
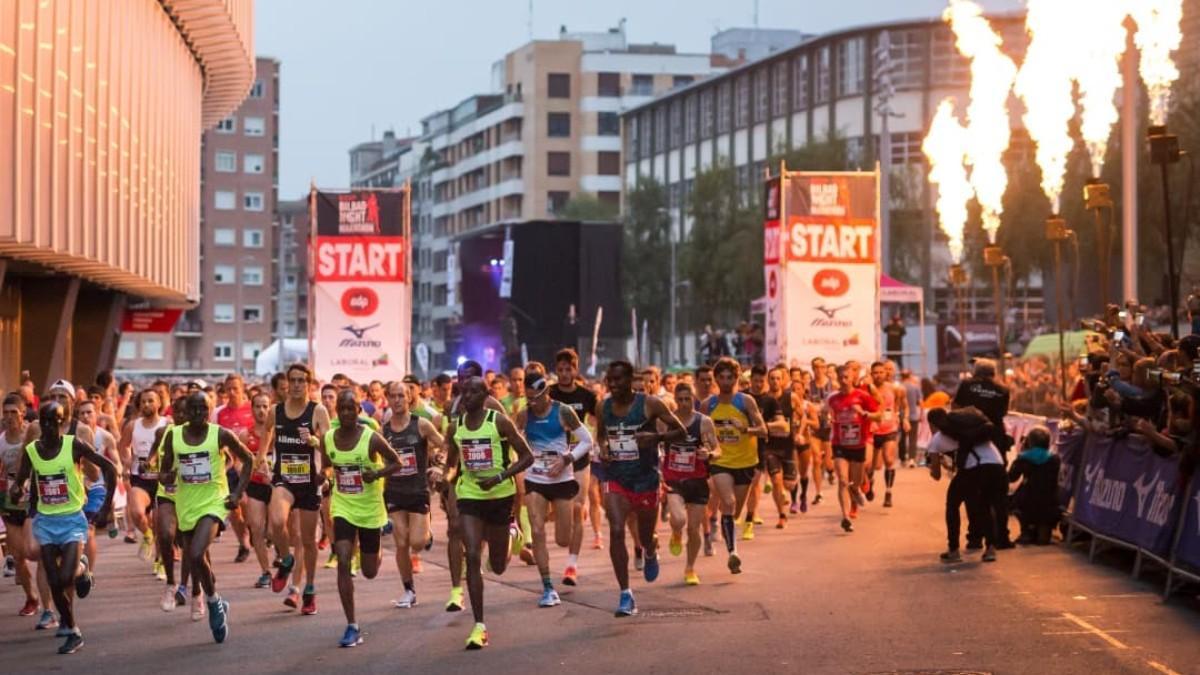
pixel 582 401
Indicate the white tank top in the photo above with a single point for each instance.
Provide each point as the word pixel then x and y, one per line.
pixel 143 443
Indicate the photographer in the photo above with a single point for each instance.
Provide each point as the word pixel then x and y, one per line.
pixel 979 480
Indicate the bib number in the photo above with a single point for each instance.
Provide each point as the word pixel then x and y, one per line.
pixel 681 459
pixel 477 454
pixel 727 433
pixel 623 445
pixel 52 489
pixel 408 462
pixel 349 479
pixel 544 463
pixel 195 468
pixel 850 433
pixel 295 468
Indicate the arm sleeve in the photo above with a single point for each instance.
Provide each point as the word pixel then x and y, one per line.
pixel 583 439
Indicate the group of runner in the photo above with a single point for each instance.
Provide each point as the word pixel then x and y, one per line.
pixel 280 463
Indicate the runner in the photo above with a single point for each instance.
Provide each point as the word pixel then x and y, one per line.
pixel 737 421
pixel 202 495
pixel 406 492
pixel 359 458
pixel 706 386
pixel 820 388
pixel 484 490
pixel 16 512
pixel 59 526
pixel 628 440
pixel 237 416
pixel 96 490
pixel 852 410
pixel 806 419
pixel 685 470
pixel 258 492
pixel 583 402
pixel 780 444
pixel 893 407
pixel 137 444
pixel 166 526
pixel 551 426
pixel 297 425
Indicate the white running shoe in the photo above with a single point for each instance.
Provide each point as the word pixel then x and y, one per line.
pixel 198 611
pixel 168 598
pixel 409 599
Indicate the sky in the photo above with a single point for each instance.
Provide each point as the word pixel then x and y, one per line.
pixel 353 68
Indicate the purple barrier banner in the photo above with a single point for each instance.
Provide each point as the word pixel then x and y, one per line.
pixel 1129 493
pixel 1069 447
pixel 1188 552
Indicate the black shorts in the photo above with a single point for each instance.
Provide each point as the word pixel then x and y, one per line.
pixel 803 447
pixel 146 485
pixel 259 492
pixel 781 461
pixel 490 511
pixel 367 537
pixel 409 502
pixel 850 454
pixel 693 490
pixel 305 496
pixel 740 476
pixel 823 434
pixel 880 439
pixel 554 491
pixel 15 519
pixel 581 464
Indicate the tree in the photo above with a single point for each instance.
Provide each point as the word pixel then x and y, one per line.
pixel 645 269
pixel 586 206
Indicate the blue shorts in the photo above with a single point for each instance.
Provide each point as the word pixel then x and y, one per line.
pixel 598 472
pixel 60 530
pixel 95 498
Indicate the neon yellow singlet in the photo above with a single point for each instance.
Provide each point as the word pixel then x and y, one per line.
pixel 58 480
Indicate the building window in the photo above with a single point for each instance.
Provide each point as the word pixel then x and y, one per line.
pixel 608 84
pixel 222 351
pixel 906 149
pixel 225 162
pixel 252 314
pixel 850 67
pixel 223 312
pixel 681 81
pixel 707 114
pixel 556 200
pixel 252 238
pixel 822 89
pixel 644 134
pixel 558 164
pixel 741 114
pixel 225 200
pixel 250 350
pixel 676 121
pixel 224 236
pixel 724 110
pixel 254 126
pixel 800 82
pixel 152 350
pixel 127 349
pixel 223 274
pixel 252 276
pixel 779 80
pixel 227 125
pixel 660 128
pixel 252 201
pixel 608 124
pixel 632 131
pixel 949 66
pixel 689 119
pixel 558 85
pixel 289 281
pixel 643 85
pixel 762 93
pixel 856 151
pixel 907 54
pixel 608 163
pixel 256 91
pixel 558 125
pixel 252 163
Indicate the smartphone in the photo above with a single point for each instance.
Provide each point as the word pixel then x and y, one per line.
pixel 1083 362
pixel 1119 336
pixel 1140 319
pixel 1122 315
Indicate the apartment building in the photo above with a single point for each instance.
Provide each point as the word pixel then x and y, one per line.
pixel 235 317
pixel 291 269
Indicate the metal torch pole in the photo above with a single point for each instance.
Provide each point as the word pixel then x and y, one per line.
pixel 1057 232
pixel 994 258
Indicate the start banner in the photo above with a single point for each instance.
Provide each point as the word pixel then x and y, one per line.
pixel 827 269
pixel 362 301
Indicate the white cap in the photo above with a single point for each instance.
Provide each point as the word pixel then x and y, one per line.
pixel 64 385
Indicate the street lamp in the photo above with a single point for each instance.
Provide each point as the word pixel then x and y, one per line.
pixel 1057 233
pixel 959 281
pixel 664 212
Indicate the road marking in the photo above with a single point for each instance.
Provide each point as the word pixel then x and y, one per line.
pixel 1094 631
pixel 1078 632
pixel 1161 668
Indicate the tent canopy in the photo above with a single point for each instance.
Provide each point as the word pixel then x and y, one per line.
pixel 891 290
pixel 279 354
pixel 1074 344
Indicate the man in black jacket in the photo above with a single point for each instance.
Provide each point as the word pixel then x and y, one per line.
pixel 981 391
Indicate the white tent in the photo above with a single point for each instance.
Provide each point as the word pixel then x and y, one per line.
pixel 892 291
pixel 279 354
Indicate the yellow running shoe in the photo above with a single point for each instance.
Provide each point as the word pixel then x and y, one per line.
pixel 146 551
pixel 478 638
pixel 676 545
pixel 332 562
pixel 748 532
pixel 690 578
pixel 758 519
pixel 160 572
pixel 455 604
pixel 356 563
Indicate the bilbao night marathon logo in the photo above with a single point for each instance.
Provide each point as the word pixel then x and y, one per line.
pixel 358 214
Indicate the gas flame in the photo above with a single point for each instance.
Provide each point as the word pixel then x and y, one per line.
pixel 1098 71
pixel 1044 84
pixel 1158 35
pixel 988 130
pixel 944 147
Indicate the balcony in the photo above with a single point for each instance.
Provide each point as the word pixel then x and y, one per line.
pixel 189 327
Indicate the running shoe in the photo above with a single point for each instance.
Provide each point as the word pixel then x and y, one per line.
pixel 47 621
pixel 650 571
pixel 887 500
pixel 218 619
pixel 146 550
pixel 73 643
pixel 10 566
pixel 293 598
pixel 455 603
pixel 597 543
pixel 351 638
pixel 626 606
pixel 549 598
pixel 817 499
pixel 748 530
pixel 309 606
pixel 757 519
pixel 30 608
pixel 160 572
pixel 168 598
pixel 989 555
pixel 198 611
pixel 691 579
pixel 675 546
pixel 570 576
pixel 794 508
pixel 264 580
pixel 280 580
pixel 870 490
pixel 951 556
pixel 782 522
pixel 181 596
pixel 356 563
pixel 735 563
pixel 242 554
pixel 847 525
pixel 638 562
pixel 527 555
pixel 130 539
pixel 708 546
pixel 478 639
pixel 767 488
pixel 416 563
pixel 323 544
pixel 853 510
pixel 409 599
pixel 516 541
pixel 332 562
pixel 388 528
pixel 804 503
pixel 83 580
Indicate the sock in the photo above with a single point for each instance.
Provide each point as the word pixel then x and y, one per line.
pixel 727 531
pixel 352 625
pixel 889 477
pixel 626 591
pixel 292 588
pixel 215 597
pixel 793 493
pixel 309 589
pixel 749 512
pixel 76 631
pixel 547 585
pixel 408 586
pixel 803 488
pixel 572 559
pixel 525 531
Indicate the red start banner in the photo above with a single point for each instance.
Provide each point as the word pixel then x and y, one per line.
pixel 150 320
pixel 360 258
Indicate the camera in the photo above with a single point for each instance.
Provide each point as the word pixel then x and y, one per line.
pixel 1161 377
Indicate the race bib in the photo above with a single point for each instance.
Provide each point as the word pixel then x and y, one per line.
pixel 52 489
pixel 727 433
pixel 140 466
pixel 477 454
pixel 195 468
pixel 622 445
pixel 349 479
pixel 408 462
pixel 681 459
pixel 849 433
pixel 295 468
pixel 544 463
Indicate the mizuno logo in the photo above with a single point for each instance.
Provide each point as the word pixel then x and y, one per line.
pixel 830 312
pixel 357 332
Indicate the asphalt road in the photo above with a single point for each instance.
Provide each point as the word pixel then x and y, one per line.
pixel 811 600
